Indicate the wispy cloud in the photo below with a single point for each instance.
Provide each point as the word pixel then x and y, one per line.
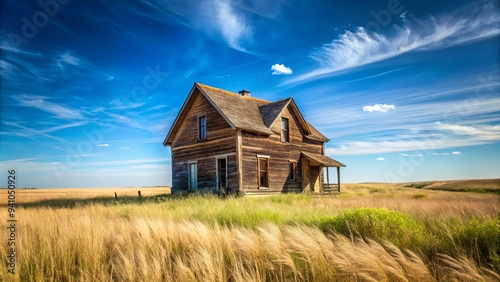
pixel 40 103
pixel 27 132
pixel 70 59
pixel 456 153
pixel 379 108
pixel 379 74
pixel 380 159
pixel 119 104
pixel 418 110
pixel 65 126
pixel 487 132
pixel 422 146
pixel 360 47
pixel 280 69
pixel 103 145
pixel 233 27
pixel 224 20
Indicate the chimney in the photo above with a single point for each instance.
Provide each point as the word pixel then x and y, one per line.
pixel 245 93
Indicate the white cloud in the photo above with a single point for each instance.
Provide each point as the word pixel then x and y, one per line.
pixel 124 148
pixel 361 47
pixel 414 155
pixel 435 154
pixel 103 145
pixel 457 153
pixel 280 69
pixel 380 159
pixel 445 154
pixel 379 108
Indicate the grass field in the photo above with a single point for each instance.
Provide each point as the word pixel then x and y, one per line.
pixel 370 232
pixel 478 186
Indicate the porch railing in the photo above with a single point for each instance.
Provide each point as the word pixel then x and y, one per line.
pixel 330 187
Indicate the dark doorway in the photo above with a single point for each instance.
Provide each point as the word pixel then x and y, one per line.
pixel 222 175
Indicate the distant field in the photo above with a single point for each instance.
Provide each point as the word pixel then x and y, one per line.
pixel 474 185
pixel 40 195
pixel 369 232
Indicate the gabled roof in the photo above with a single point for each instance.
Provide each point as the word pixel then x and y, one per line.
pixel 243 112
pixel 315 134
pixel 271 111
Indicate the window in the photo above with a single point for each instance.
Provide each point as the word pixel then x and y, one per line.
pixel 293 170
pixel 285 136
pixel 193 175
pixel 263 169
pixel 202 128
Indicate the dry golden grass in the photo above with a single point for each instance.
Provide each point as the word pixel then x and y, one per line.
pixel 91 249
pixel 38 195
pixel 276 238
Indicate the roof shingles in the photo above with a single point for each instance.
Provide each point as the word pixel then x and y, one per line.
pixel 246 113
pixel 241 111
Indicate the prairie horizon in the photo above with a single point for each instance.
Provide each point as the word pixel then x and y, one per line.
pixel 495 182
pixel 415 234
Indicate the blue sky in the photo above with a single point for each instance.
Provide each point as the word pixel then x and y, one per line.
pixel 405 90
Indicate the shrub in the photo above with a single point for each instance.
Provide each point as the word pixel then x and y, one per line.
pixel 420 196
pixel 481 240
pixel 378 224
pixel 418 185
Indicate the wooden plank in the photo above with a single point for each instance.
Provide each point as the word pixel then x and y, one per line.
pixel 281 153
pixel 186 146
pixel 239 159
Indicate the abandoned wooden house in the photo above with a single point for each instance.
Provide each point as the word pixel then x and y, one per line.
pixel 228 142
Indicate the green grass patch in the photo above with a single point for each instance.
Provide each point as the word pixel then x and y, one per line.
pixel 481 239
pixel 376 223
pixel 417 185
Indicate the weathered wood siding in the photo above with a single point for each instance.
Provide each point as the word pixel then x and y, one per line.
pixel 280 153
pixel 186 147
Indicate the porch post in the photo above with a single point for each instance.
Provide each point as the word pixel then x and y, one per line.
pixel 327 176
pixel 338 179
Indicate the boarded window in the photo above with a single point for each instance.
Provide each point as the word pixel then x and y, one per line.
pixel 285 135
pixel 263 167
pixel 202 128
pixel 193 175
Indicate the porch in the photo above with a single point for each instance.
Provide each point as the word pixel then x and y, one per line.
pixel 313 173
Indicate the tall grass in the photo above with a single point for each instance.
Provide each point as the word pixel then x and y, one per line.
pixel 384 236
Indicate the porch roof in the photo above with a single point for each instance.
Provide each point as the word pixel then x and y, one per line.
pixel 322 160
